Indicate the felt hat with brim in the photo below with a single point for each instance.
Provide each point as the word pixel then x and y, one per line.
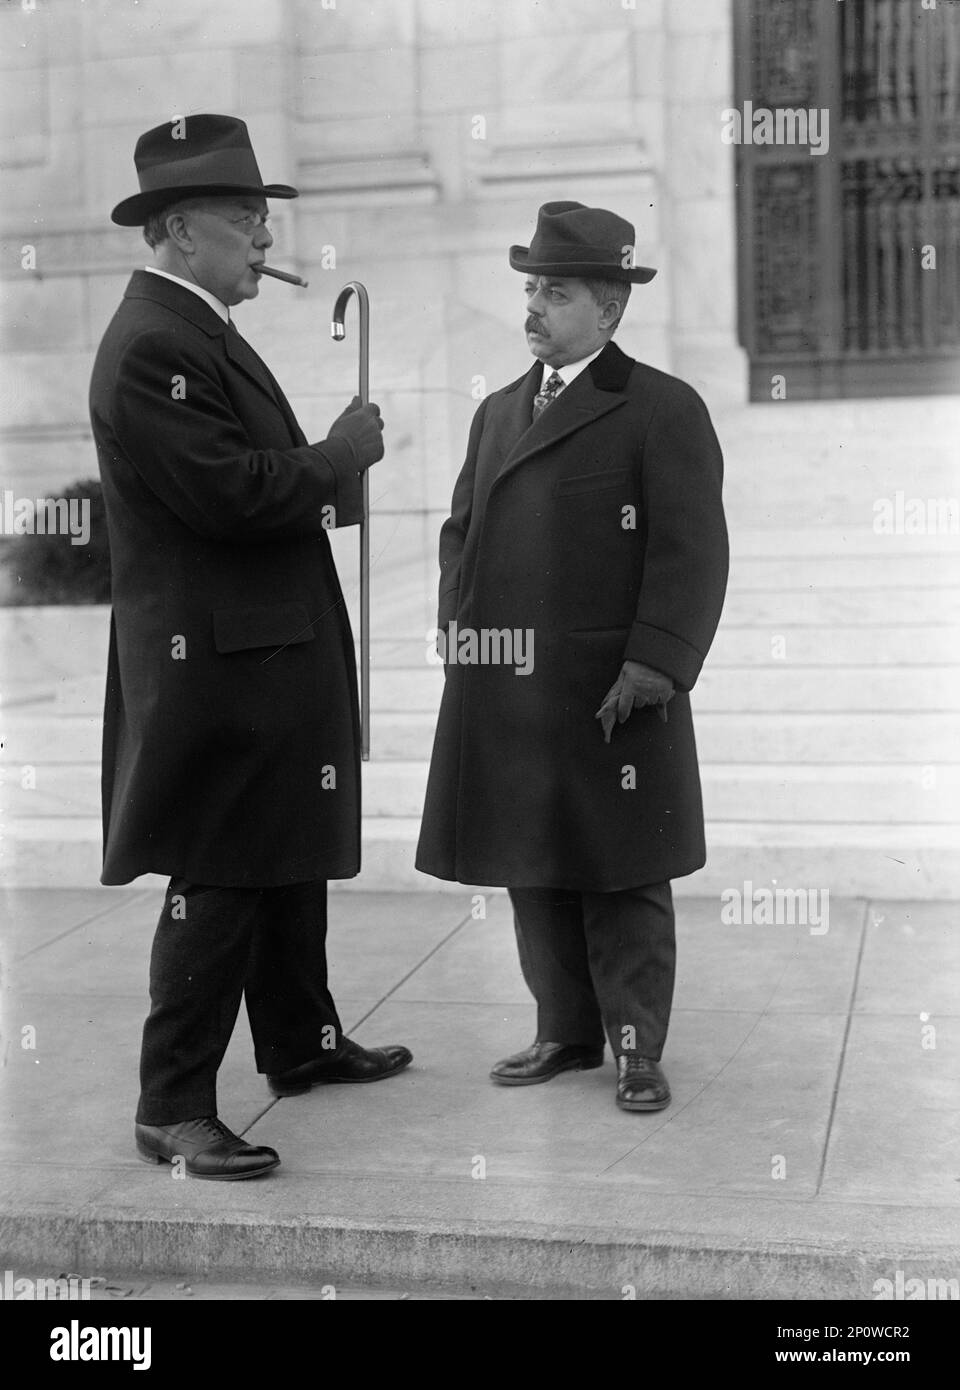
pixel 191 157
pixel 582 243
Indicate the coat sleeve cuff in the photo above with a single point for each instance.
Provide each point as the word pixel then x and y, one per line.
pixel 664 652
pixel 339 456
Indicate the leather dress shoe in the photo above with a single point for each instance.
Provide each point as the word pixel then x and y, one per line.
pixel 350 1063
pixel 641 1084
pixel 543 1061
pixel 208 1148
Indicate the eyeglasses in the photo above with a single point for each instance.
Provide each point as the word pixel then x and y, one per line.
pixel 247 224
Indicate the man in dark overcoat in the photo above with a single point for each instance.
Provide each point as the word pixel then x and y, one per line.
pixel 230 747
pixel 582 574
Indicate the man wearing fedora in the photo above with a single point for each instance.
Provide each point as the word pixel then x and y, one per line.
pixel 587 517
pixel 230 747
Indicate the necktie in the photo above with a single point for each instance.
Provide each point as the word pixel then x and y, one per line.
pixel 547 393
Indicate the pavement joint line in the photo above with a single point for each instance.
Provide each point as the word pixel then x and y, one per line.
pixel 370 1012
pixel 273 1101
pixel 412 971
pixel 675 1115
pixel 854 984
pixel 139 894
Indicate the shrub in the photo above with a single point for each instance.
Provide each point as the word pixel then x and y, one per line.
pixel 51 569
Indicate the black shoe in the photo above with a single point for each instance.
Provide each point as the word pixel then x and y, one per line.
pixel 641 1084
pixel 543 1061
pixel 207 1147
pixel 350 1062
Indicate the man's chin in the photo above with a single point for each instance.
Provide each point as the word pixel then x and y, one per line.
pixel 540 347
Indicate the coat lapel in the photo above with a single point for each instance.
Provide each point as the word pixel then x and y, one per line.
pixel 514 418
pixel 191 307
pixel 242 356
pixel 596 392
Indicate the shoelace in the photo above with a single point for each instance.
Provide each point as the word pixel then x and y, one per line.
pixel 634 1063
pixel 215 1127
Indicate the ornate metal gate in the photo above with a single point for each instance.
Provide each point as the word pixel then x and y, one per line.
pixel 849 259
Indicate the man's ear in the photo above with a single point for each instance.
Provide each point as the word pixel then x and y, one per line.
pixel 609 314
pixel 179 233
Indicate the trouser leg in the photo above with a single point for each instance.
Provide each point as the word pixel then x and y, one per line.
pixel 197 968
pixel 292 1015
pixel 553 958
pixel 631 948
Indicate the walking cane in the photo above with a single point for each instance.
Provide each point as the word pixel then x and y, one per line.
pixel 339 333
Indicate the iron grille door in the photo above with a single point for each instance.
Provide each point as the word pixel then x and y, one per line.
pixel 849 261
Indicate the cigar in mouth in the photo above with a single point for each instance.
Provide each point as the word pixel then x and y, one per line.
pixel 282 275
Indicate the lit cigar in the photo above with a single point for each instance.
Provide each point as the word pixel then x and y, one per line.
pixel 283 275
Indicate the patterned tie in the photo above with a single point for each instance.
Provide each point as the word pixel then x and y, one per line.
pixel 547 393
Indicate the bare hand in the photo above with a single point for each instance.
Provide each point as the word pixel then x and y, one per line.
pixel 636 686
pixel 363 427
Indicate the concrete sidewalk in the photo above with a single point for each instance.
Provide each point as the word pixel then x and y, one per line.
pixel 811 1148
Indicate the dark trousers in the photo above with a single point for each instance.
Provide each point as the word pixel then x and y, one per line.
pixel 212 947
pixel 599 963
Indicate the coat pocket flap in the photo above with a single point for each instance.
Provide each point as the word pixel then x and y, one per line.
pixel 591 482
pixel 268 625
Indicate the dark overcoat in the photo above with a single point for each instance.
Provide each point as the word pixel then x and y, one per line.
pixel 230 741
pixel 598 529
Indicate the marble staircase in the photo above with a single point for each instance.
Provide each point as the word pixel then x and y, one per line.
pixel 826 716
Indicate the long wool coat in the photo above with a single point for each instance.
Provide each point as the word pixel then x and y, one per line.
pixel 598 530
pixel 230 742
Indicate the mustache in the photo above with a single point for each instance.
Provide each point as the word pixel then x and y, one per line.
pixel 533 325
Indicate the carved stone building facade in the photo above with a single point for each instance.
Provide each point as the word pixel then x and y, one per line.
pixel 424 134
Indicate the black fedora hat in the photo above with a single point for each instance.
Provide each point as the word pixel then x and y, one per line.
pixel 581 242
pixel 191 156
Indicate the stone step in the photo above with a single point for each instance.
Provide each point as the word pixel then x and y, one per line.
pixel 916 862
pixel 874 425
pixel 784 687
pixel 765 644
pixel 402 609
pixel 812 543
pixel 785 648
pixel 842 607
pixel 826 625
pixel 861 417
pixel 862 571
pixel 839 450
pixel 768 738
pixel 409 618
pixel 904 647
pixel 768 791
pixel 860 736
pixel 890 795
